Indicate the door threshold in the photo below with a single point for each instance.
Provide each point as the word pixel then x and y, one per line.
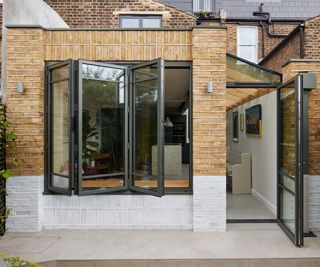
pixel 251 221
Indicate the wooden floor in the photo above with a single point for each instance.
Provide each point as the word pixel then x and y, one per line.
pixel 108 183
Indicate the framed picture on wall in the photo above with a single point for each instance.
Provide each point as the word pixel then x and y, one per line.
pixel 241 122
pixel 254 120
pixel 235 127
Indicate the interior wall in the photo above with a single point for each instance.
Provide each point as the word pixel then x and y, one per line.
pixel 263 149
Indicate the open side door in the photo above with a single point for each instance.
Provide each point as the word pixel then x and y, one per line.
pixel 293 154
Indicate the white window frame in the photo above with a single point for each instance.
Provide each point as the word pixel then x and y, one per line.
pixel 200 5
pixel 253 44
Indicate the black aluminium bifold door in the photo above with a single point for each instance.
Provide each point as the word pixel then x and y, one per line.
pixel 59 122
pixel 120 136
pixel 293 154
pixel 147 128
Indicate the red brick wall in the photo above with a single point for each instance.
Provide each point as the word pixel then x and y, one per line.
pixel 312 38
pixel 105 13
pixel 290 49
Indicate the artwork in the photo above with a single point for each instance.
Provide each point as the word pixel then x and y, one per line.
pixel 235 129
pixel 254 120
pixel 241 122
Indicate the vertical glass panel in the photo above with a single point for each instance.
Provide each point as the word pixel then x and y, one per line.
pixel 288 210
pixel 288 130
pixel 288 156
pixel 103 127
pixel 176 128
pixel 60 131
pixel 145 169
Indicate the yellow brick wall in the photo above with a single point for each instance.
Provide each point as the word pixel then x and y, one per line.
pixel 118 45
pixel 289 71
pixel 209 110
pixel 29 48
pixel 25 63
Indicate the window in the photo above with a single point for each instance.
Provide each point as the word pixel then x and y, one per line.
pixel 136 21
pixel 247 44
pixel 106 132
pixel 202 5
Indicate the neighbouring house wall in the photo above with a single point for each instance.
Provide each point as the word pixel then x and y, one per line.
pixel 263 149
pixel 290 70
pixel 289 48
pixel 205 210
pixel 266 43
pixel 105 14
pixel 312 38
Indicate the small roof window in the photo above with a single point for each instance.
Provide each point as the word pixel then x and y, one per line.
pixel 245 74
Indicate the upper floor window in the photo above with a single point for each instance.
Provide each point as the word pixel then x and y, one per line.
pixel 143 21
pixel 247 43
pixel 202 5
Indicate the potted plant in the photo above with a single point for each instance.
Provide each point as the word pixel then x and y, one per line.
pixel 203 14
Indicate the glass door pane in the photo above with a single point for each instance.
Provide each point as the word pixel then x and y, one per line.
pixel 290 172
pixel 102 128
pixel 59 159
pixel 147 144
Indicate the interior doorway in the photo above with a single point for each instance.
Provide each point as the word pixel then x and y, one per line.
pixel 252 155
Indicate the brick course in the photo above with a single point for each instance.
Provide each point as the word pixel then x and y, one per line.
pixel 105 14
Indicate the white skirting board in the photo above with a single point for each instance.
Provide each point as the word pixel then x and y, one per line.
pixel 265 202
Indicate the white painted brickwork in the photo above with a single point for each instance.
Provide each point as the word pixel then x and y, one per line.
pixel 118 211
pixel 209 203
pixel 204 211
pixel 314 202
pixel 25 199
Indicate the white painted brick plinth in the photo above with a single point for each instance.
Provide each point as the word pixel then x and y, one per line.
pixel 205 210
pixel 117 212
pixel 24 197
pixel 209 203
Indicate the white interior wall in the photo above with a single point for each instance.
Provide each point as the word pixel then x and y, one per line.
pixel 263 149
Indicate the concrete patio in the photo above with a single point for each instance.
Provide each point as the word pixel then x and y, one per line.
pixel 240 241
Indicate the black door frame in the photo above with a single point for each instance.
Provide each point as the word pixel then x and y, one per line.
pixel 302 83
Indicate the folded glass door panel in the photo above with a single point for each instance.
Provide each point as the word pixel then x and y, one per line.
pixel 102 119
pixel 146 128
pixel 59 145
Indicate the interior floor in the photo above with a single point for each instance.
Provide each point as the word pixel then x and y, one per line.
pixel 171 181
pixel 246 206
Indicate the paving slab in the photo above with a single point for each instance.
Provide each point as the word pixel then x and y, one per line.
pixel 240 241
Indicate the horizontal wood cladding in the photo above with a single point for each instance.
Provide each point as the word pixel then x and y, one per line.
pixel 118 45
